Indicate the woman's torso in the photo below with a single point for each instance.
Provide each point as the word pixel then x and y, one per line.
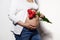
pixel 25 5
pixel 35 20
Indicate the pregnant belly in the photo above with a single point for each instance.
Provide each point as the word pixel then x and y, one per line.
pixel 34 21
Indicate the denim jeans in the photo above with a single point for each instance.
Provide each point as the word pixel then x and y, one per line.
pixel 28 35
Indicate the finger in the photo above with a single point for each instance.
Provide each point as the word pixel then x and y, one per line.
pixel 31 27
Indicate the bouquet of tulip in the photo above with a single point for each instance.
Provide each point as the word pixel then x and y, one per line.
pixel 32 14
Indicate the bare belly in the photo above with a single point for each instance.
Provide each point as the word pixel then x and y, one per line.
pixel 34 21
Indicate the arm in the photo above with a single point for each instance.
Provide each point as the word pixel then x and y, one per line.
pixel 12 14
pixel 44 18
pixel 37 2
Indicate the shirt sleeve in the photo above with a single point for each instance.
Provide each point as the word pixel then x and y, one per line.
pixel 12 12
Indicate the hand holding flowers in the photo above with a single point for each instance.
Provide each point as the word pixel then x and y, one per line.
pixel 33 13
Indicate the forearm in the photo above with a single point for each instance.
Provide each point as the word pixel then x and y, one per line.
pixel 21 23
pixel 26 25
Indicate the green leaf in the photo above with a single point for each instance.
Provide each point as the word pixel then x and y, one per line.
pixel 38 13
pixel 44 19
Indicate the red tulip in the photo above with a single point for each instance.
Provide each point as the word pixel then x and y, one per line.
pixel 31 13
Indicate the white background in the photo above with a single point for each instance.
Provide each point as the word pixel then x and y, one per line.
pixel 50 8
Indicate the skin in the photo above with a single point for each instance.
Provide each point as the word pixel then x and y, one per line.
pixel 34 22
pixel 30 0
pixel 31 23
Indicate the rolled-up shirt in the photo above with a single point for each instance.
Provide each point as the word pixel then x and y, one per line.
pixel 18 12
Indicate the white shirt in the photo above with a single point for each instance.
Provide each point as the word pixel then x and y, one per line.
pixel 18 12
